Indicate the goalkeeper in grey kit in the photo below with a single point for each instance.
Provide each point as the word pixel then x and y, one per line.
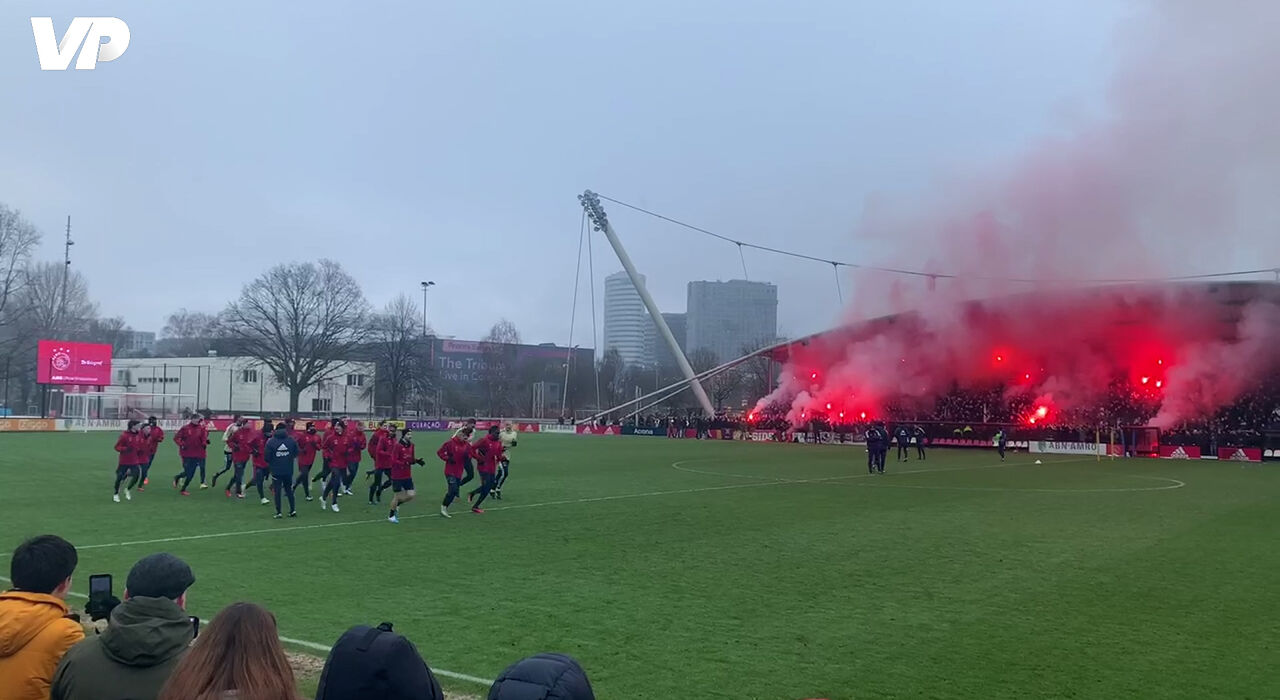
pixel 508 437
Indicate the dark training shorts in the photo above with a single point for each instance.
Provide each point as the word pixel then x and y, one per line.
pixel 398 485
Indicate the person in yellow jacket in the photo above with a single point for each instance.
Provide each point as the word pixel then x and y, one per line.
pixel 36 628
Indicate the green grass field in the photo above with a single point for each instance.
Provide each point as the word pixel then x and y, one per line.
pixel 687 569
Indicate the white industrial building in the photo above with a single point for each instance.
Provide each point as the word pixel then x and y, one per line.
pixel 244 385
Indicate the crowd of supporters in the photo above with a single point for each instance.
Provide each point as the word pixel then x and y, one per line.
pixel 979 414
pixel 146 646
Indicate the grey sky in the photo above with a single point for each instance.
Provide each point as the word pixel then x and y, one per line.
pixel 447 141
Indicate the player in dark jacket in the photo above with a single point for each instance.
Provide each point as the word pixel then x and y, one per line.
pixel 920 440
pixel 282 451
pixel 873 448
pixel 904 443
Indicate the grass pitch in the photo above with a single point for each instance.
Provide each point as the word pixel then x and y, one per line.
pixel 699 569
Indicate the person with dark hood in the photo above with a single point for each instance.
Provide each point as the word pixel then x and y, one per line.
pixel 146 637
pixel 376 663
pixel 282 452
pixel 543 677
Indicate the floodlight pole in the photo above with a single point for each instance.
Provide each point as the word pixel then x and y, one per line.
pixel 591 202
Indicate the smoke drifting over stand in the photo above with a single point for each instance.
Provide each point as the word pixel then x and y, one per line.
pixel 1178 177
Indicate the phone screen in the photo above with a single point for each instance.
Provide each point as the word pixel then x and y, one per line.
pixel 99 587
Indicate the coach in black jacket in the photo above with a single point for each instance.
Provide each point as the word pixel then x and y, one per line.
pixel 281 452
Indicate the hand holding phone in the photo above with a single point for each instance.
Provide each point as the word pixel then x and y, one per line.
pixel 101 599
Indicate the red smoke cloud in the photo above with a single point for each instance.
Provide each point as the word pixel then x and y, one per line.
pixel 1177 177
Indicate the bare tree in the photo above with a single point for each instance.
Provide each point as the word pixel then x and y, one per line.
pixel 108 331
pixel 302 320
pixel 499 359
pixel 503 333
pixel 609 369
pixel 756 373
pixel 721 386
pixel 397 348
pixel 18 238
pixel 189 333
pixel 45 307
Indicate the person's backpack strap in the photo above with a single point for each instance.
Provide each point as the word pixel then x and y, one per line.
pixel 367 641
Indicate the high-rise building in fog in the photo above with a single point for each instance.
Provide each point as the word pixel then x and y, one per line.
pixel 661 350
pixel 626 321
pixel 727 317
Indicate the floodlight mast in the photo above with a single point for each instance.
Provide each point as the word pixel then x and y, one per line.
pixel 591 203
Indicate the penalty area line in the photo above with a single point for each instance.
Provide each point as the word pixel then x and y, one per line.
pixel 322 647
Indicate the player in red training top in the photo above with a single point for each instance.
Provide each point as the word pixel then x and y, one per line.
pixel 402 460
pixel 132 448
pixel 144 451
pixel 241 443
pixel 378 433
pixel 338 450
pixel 382 445
pixel 456 452
pixel 155 436
pixel 356 442
pixel 193 441
pixel 486 451
pixel 258 450
pixel 308 443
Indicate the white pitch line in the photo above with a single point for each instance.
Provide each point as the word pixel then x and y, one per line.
pixel 773 481
pixel 1173 484
pixel 348 523
pixel 780 480
pixel 325 647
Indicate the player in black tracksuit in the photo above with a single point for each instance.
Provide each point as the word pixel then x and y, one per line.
pixel 885 439
pixel 877 446
pixel 904 443
pixel 920 438
pixel 1002 440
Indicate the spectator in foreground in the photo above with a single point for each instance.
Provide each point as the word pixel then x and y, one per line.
pixel 36 627
pixel 145 638
pixel 375 663
pixel 237 656
pixel 543 677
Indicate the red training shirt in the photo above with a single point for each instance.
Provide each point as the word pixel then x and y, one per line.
pixel 454 452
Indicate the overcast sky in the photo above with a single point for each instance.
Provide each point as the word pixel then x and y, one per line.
pixel 447 141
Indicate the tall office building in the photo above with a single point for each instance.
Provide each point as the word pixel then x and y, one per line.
pixel 726 317
pixel 661 350
pixel 626 320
